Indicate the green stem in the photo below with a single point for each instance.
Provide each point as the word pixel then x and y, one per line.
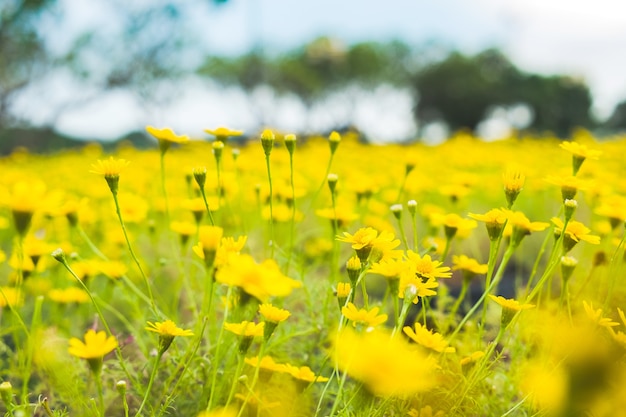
pixel 414 225
pixel 488 289
pixel 164 189
pixel 293 214
pixel 206 204
pixel 118 350
pixel 132 254
pixel 150 382
pixel 269 177
pixel 446 249
pixel 30 349
pixel 125 278
pixel 233 387
pixel 403 234
pixel 458 302
pixel 216 359
pixel 183 365
pixel 98 377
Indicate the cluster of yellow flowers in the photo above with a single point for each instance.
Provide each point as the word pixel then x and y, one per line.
pixel 409 279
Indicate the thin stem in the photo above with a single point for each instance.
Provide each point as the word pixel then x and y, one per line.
pixel 269 177
pixel 98 378
pixel 233 387
pixel 118 350
pixel 403 234
pixel 125 278
pixel 505 260
pixel 184 365
pixel 164 189
pixel 206 204
pixel 150 382
pixel 293 213
pixel 217 358
pixel 132 254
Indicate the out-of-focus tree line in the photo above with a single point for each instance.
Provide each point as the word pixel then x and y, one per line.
pixel 150 49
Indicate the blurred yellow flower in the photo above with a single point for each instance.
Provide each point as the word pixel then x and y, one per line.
pixel 273 314
pixel 167 328
pixel 109 168
pixel 245 328
pixel 95 346
pixel 262 280
pixel 367 318
pixel 427 338
pixel 68 295
pixel 465 263
pixel 388 366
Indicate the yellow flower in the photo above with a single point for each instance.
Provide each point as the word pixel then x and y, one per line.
pixel 569 185
pixel 367 318
pixel 267 363
pixel 388 366
pixel 510 304
pixel 453 224
pixel 464 263
pixel 10 296
pixel 596 316
pixel 96 345
pixel 343 289
pixel 579 153
pixel 223 133
pixel 424 337
pixel 473 357
pixel 259 280
pixel 363 238
pixel 304 373
pixel 184 229
pixel 426 267
pixel 509 308
pixel 580 150
pixel 513 183
pixel 519 220
pixel 166 137
pixel 109 168
pixel 574 232
pixel 425 412
pixel 220 412
pixel 342 214
pixel 494 220
pixel 390 268
pixel 522 226
pixel 422 288
pixel 207 247
pixel 245 328
pixel 167 328
pixel 273 314
pixel 68 295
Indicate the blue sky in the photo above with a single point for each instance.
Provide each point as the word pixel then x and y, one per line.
pixel 582 38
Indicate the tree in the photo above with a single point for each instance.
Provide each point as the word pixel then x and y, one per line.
pixel 460 90
pixel 617 121
pixel 23 55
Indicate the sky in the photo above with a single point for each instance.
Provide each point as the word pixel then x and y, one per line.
pixel 578 37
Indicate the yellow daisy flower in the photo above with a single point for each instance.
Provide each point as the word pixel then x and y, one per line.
pixel 95 346
pixel 427 338
pixel 367 318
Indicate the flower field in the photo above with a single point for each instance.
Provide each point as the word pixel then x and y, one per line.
pixel 315 277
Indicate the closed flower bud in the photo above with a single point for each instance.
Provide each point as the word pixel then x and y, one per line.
pixel 290 143
pixel 267 141
pixel 199 174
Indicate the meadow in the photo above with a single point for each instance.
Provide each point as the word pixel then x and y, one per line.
pixel 315 276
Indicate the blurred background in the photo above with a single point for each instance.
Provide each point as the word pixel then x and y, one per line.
pixel 75 70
